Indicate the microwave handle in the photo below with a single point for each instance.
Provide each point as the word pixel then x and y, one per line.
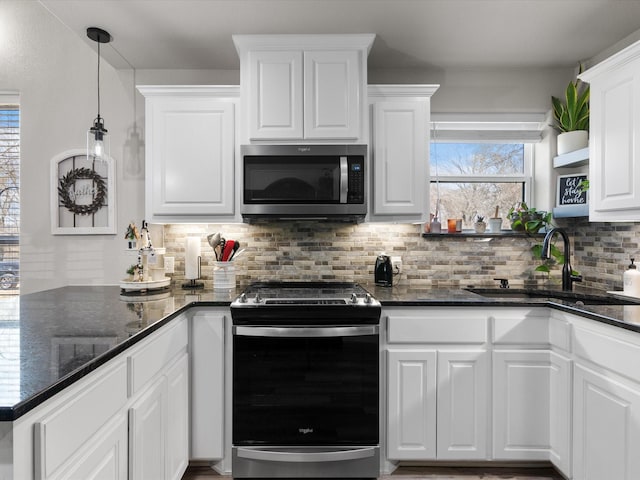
pixel 344 179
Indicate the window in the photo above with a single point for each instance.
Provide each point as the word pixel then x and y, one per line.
pixel 9 197
pixel 474 178
pixel 477 167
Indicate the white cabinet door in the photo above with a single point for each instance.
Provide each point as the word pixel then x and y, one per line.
pixel 606 422
pixel 400 158
pixel 177 455
pixel 66 435
pixel 411 432
pixel 276 95
pixel 521 396
pixel 463 405
pixel 207 384
pixel 104 457
pixel 332 95
pixel 560 413
pixel 190 145
pixel 614 166
pixel 148 433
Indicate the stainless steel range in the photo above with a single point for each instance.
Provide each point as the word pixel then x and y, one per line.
pixel 305 381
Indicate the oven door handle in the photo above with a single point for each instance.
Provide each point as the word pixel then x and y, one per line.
pixel 306 457
pixel 299 332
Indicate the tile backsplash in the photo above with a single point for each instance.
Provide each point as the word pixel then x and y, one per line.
pixel 331 251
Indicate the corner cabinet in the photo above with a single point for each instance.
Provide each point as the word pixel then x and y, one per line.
pixel 614 168
pixel 303 87
pixel 190 153
pixel 400 117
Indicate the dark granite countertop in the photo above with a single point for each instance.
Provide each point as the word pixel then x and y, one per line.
pixel 51 339
pixel 621 315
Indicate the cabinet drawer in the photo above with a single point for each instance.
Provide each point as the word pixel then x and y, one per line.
pixel 521 327
pixel 151 357
pixel 90 406
pixel 452 326
pixel 611 352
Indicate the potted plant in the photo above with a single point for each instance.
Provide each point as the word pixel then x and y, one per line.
pixel 131 271
pixel 571 117
pixel 479 225
pixel 529 220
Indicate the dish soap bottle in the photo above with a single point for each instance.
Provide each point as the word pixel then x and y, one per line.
pixel 631 280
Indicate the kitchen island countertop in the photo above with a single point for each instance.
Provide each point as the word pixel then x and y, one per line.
pixel 51 339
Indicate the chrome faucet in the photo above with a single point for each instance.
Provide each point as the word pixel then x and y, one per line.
pixel 567 276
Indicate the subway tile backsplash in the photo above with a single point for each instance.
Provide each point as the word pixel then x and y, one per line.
pixel 333 251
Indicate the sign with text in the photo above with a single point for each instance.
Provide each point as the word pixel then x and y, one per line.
pixel 570 190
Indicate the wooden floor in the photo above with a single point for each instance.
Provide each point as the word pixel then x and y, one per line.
pixel 429 473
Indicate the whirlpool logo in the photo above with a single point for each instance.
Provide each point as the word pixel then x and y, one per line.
pixel 305 430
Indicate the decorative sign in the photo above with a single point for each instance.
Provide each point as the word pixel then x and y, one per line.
pixel 82 195
pixel 570 191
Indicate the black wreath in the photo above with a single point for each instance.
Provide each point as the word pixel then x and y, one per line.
pixel 70 179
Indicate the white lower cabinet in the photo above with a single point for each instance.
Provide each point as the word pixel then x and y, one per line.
pixel 103 458
pixel 80 431
pixel 560 413
pixel 207 345
pixel 438 384
pixel 411 431
pixel 521 405
pixel 158 426
pixel 177 453
pixel 606 423
pixel 148 433
pixel 463 405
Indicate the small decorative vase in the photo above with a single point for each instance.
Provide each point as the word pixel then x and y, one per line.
pixel 495 225
pixel 572 141
pixel 480 227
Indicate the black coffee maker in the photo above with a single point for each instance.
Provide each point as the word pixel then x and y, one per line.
pixel 383 271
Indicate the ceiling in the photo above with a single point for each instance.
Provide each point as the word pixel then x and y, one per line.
pixel 423 34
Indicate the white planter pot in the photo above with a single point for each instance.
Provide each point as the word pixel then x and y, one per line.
pixel 571 141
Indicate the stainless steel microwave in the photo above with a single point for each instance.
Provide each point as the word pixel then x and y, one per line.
pixel 302 182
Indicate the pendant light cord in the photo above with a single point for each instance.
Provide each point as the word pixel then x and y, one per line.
pixel 98 79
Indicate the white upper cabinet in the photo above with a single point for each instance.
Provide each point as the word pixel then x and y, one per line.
pixel 276 95
pixel 614 168
pixel 400 151
pixel 303 87
pixel 333 95
pixel 190 152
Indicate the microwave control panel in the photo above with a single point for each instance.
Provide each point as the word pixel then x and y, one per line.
pixel 355 192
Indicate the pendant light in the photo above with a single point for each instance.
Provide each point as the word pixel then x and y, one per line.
pixel 97 136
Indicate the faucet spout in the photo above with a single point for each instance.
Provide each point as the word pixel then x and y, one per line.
pixel 567 272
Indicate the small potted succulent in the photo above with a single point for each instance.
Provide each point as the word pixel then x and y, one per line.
pixel 529 220
pixel 571 116
pixel 479 226
pixel 131 271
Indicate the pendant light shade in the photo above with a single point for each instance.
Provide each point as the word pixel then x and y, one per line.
pixel 98 137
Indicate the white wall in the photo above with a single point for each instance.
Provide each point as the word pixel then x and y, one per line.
pixel 55 73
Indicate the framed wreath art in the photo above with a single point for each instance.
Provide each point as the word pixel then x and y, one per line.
pixel 82 195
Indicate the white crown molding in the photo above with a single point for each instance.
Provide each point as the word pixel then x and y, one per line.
pixel 189 90
pixel 399 90
pixel 615 61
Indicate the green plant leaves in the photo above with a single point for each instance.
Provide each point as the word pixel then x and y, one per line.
pixel 573 114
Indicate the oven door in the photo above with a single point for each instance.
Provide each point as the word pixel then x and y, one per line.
pixel 305 386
